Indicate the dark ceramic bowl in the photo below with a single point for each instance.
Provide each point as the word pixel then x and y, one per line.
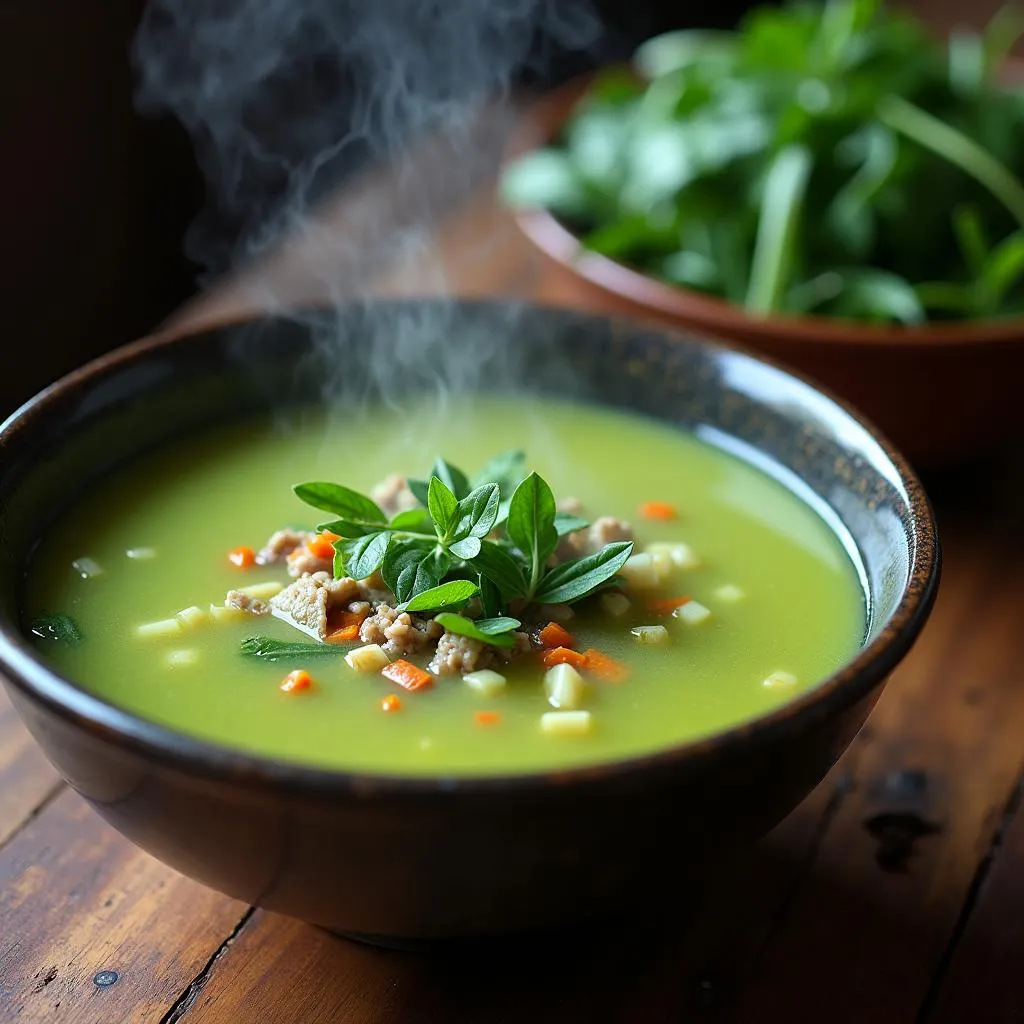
pixel 415 858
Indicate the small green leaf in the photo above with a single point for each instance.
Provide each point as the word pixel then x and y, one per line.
pixel 573 580
pixel 364 555
pixel 416 520
pixel 497 565
pixel 476 514
pixel 490 597
pixel 496 632
pixel 348 529
pixel 467 548
pixel 442 504
pixel 275 650
pixel 531 523
pixel 413 566
pixel 61 628
pixel 447 595
pixel 420 490
pixel 454 479
pixel 341 501
pixel 506 470
pixel 565 524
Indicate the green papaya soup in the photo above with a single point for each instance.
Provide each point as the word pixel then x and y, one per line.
pixel 495 586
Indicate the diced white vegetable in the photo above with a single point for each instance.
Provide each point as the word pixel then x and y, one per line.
pixel 179 659
pixel 87 568
pixel 226 613
pixel 141 554
pixel 162 627
pixel 485 682
pixel 370 658
pixel 650 634
pixel 640 572
pixel 192 616
pixel 663 564
pixel 564 686
pixel 263 590
pixel 781 680
pixel 682 555
pixel 556 612
pixel 615 605
pixel 693 613
pixel 565 723
pixel 730 594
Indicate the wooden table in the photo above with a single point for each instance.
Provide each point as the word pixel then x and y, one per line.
pixel 895 893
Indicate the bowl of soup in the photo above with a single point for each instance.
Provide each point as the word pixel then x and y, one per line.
pixel 422 620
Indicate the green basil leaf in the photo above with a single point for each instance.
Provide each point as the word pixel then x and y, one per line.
pixel 442 504
pixel 490 597
pixel 61 628
pixel 339 559
pixel 364 555
pixel 531 523
pixel 565 524
pixel 275 650
pixel 497 565
pixel 454 479
pixel 466 549
pixel 572 580
pixel 496 637
pixel 413 566
pixel 476 514
pixel 447 595
pixel 419 490
pixel 506 470
pixel 416 520
pixel 341 501
pixel 346 528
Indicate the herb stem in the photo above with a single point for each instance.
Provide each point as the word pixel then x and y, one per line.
pixel 957 148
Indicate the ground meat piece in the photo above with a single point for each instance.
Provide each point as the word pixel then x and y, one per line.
pixel 393 495
pixel 307 601
pixel 360 607
pixel 608 530
pixel 281 545
pixel 571 506
pixel 247 603
pixel 459 654
pixel 302 562
pixel 399 633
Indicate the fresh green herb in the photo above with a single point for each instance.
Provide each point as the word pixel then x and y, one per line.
pixel 458 547
pixel 61 628
pixel 819 159
pixel 496 631
pixel 275 650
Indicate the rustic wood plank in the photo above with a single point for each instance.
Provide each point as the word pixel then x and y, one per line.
pixel 76 900
pixel 27 779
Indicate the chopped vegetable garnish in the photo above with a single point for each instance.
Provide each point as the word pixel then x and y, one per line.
pixel 344 627
pixel 273 650
pixel 564 686
pixel 602 666
pixel 243 557
pixel 566 723
pixel 179 659
pixel 486 717
pixel 407 675
pixel 669 605
pixel 192 616
pixel 162 627
pixel 392 702
pixel 659 510
pixel 343 635
pixel 650 634
pixel 564 656
pixel 554 635
pixel 226 613
pixel 615 605
pixel 87 568
pixel 296 682
pixel 641 573
pixel 322 545
pixel 693 613
pixel 486 682
pixel 370 658
pixel 782 680
pixel 262 590
pixel 681 555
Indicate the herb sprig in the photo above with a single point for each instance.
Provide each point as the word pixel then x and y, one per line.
pixel 490 540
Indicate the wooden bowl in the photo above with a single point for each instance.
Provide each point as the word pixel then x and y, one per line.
pixel 942 392
pixel 409 859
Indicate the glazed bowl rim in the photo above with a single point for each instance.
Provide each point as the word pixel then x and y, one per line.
pixel 25 670
pixel 537 126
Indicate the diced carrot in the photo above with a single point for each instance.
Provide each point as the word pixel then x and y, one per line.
pixel 392 702
pixel 658 510
pixel 606 668
pixel 667 607
pixel 555 635
pixel 407 675
pixel 243 557
pixel 322 545
pixel 297 681
pixel 564 656
pixel 486 717
pixel 344 634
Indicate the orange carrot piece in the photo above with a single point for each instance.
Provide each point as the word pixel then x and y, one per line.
pixel 668 606
pixel 604 667
pixel 296 682
pixel 343 627
pixel 322 546
pixel 486 717
pixel 344 634
pixel 554 635
pixel 564 656
pixel 658 510
pixel 391 703
pixel 243 557
pixel 407 675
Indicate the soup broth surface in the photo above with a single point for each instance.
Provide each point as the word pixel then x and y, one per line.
pixel 801 612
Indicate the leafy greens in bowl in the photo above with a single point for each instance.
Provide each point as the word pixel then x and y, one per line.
pixel 824 159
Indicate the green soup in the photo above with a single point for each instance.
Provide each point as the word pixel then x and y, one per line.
pixel 786 605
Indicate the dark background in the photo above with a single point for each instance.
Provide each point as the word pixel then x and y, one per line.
pixel 97 198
